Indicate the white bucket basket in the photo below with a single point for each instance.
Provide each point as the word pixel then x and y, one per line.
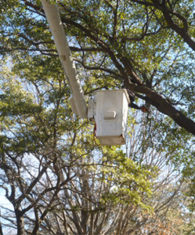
pixel 111 111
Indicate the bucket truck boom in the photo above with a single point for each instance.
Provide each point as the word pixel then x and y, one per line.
pixel 53 17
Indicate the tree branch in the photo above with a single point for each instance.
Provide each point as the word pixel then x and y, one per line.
pixel 167 16
pixel 164 106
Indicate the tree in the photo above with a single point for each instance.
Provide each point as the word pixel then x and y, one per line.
pixel 81 188
pixel 54 173
pixel 40 174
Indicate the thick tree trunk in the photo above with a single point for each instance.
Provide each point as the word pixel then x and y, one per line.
pixel 20 222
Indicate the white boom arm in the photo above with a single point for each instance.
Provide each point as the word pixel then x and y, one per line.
pixel 56 27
